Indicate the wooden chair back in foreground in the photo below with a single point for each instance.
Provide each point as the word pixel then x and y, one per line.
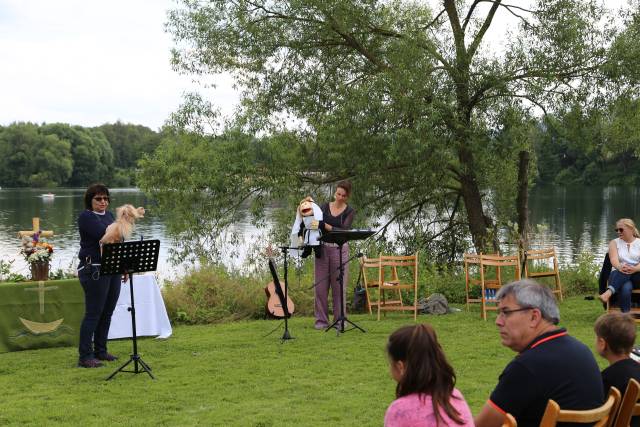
pixel 404 277
pixel 487 299
pixel 549 261
pixel 599 417
pixel 629 406
pixel 509 421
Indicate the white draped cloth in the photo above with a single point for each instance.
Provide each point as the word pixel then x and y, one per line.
pixel 151 315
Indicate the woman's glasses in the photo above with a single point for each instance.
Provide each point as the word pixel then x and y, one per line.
pixel 619 230
pixel 101 199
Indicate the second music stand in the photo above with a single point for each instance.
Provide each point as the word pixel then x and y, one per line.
pixel 128 258
pixel 340 237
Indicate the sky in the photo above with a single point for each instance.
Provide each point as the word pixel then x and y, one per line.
pixel 89 62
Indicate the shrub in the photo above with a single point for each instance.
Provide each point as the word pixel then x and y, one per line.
pixel 582 277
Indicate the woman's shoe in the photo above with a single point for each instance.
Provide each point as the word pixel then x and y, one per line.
pixel 89 363
pixel 107 356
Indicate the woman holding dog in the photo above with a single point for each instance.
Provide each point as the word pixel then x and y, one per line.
pixel 100 292
pixel 337 215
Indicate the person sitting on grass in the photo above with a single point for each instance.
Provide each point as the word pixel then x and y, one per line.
pixel 615 336
pixel 550 363
pixel 425 393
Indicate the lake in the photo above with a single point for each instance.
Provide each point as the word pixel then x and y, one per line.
pixel 573 219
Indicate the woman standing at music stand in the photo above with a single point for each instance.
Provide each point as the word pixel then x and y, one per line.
pixel 337 215
pixel 100 292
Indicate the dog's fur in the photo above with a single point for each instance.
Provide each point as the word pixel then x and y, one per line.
pixel 122 228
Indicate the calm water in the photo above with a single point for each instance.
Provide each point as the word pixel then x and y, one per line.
pixel 573 219
pixel 19 206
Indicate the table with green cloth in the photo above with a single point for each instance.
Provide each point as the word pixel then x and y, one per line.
pixel 40 314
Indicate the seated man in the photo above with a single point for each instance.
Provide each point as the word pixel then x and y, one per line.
pixel 550 364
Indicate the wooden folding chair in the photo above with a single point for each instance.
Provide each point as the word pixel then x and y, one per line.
pixel 547 259
pixel 372 282
pixel 498 262
pixel 471 263
pixel 404 277
pixel 509 421
pixel 599 417
pixel 629 407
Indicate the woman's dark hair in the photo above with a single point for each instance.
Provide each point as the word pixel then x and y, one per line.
pixel 426 370
pixel 345 185
pixel 92 191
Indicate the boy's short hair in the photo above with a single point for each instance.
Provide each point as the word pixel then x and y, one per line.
pixel 618 330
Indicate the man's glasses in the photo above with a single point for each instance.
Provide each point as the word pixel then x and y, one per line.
pixel 619 230
pixel 505 312
pixel 101 199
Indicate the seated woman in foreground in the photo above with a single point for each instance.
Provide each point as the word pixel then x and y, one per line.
pixel 426 393
pixel 624 253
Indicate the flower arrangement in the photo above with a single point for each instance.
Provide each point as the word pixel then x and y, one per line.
pixel 36 250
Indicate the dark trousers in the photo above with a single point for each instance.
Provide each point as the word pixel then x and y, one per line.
pixel 100 297
pixel 622 289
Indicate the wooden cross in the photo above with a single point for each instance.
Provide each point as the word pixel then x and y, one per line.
pixel 41 289
pixel 36 229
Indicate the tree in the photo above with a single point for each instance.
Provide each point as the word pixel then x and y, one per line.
pixel 92 154
pixel 396 95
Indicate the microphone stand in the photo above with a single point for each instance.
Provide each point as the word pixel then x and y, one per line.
pixel 286 336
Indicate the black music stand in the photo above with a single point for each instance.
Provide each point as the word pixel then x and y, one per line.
pixel 340 237
pixel 283 297
pixel 128 258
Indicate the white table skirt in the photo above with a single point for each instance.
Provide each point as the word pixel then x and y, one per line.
pixel 151 314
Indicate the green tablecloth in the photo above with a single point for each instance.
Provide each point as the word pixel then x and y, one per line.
pixel 40 314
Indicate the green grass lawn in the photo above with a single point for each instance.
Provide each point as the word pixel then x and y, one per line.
pixel 234 374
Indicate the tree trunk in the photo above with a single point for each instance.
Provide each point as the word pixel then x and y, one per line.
pixel 522 203
pixel 478 222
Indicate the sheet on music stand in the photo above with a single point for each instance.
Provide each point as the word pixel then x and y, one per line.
pixel 151 314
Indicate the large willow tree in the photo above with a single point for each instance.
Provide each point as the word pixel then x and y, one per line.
pixel 418 103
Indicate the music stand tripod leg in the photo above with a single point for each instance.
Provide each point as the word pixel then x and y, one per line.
pixel 135 358
pixel 343 318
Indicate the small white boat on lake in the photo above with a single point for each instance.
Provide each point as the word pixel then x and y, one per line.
pixel 48 196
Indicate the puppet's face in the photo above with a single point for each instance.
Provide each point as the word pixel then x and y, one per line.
pixel 306 207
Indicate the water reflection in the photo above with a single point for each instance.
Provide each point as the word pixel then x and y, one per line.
pixel 573 219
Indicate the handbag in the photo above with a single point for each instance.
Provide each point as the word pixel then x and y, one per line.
pixel 359 303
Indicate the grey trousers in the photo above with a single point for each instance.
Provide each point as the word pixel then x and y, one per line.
pixel 327 270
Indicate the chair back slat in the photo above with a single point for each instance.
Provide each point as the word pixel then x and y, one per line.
pixel 602 416
pixel 629 405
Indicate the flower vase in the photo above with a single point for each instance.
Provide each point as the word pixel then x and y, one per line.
pixel 39 270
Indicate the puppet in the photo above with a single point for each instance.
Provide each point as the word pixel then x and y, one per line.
pixel 305 233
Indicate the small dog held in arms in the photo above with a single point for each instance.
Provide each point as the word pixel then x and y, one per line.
pixel 122 228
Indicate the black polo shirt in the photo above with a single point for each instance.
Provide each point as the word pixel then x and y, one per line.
pixel 618 374
pixel 553 366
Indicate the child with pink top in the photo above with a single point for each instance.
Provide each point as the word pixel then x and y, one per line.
pixel 425 394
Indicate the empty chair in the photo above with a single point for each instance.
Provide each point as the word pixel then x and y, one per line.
pixel 599 417
pixel 490 287
pixel 472 276
pixel 547 263
pixel 403 277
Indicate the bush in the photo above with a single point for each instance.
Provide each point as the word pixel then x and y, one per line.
pixel 212 294
pixel 582 277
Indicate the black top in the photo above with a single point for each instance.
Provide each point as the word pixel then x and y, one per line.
pixel 553 366
pixel 92 227
pixel 342 221
pixel 618 374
